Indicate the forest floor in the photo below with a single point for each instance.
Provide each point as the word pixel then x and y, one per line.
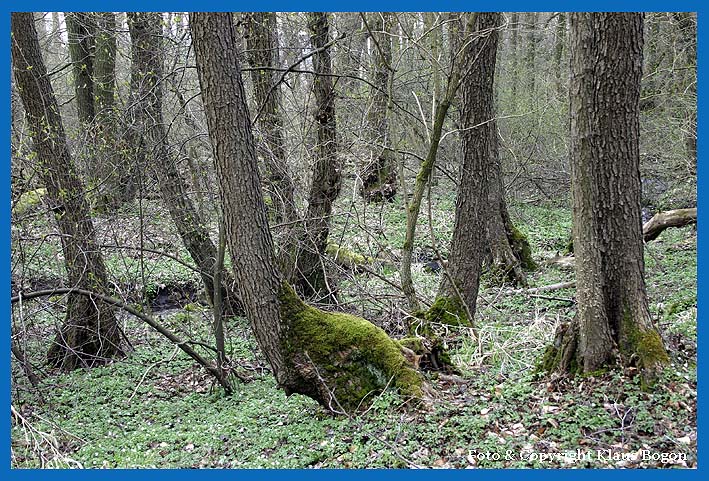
pixel 157 408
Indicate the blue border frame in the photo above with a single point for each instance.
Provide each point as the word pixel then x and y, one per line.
pixel 360 5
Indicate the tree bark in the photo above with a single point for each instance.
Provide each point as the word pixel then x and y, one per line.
pixel 507 252
pixel 559 42
pixel 413 207
pixel 613 320
pixel 81 29
pixel 262 44
pixel 311 275
pixel 337 359
pixel 90 333
pixel 379 174
pixel 462 278
pixel 514 60
pixel 147 57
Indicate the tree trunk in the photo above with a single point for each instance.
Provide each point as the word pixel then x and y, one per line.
pixel 81 29
pixel 508 252
pixel 461 280
pixel 531 57
pixel 107 166
pixel 687 24
pixel 262 44
pixel 559 42
pixel 413 207
pixel 90 333
pixel 379 174
pixel 312 278
pixel 147 58
pixel 613 318
pixel 337 359
pixel 514 62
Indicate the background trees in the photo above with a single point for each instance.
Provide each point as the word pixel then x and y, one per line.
pixel 378 166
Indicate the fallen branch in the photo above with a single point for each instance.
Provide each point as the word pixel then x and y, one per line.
pixel 671 218
pixel 184 345
pixel 551 287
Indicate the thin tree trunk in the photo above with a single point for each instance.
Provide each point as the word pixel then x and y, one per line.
pixel 262 44
pixel 147 57
pixel 531 57
pixel 514 61
pixel 338 359
pixel 559 42
pixel 613 319
pixel 90 333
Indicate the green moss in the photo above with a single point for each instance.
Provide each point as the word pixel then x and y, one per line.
pixel 413 343
pixel 346 257
pixel 549 361
pixel 29 200
pixel 522 249
pixel 355 358
pixel 447 310
pixel 644 345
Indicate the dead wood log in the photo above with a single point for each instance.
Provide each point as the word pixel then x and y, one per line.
pixel 671 218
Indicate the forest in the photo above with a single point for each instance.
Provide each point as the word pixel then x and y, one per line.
pixel 353 240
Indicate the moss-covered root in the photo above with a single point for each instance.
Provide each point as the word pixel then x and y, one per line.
pixel 342 361
pixel 448 310
pixel 562 354
pixel 640 348
pixel 522 249
pixel 427 354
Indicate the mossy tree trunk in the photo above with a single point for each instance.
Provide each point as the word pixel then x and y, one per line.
pixel 262 51
pixel 337 359
pixel 507 251
pixel 311 276
pixel 613 316
pixel 462 278
pixel 90 333
pixel 379 174
pixel 147 59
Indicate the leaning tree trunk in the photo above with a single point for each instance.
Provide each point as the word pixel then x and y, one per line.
pixel 81 29
pixel 379 174
pixel 337 359
pixel 262 43
pixel 90 333
pixel 311 275
pixel 147 56
pixel 613 318
pixel 459 287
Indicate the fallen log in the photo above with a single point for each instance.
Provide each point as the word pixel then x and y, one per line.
pixel 671 218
